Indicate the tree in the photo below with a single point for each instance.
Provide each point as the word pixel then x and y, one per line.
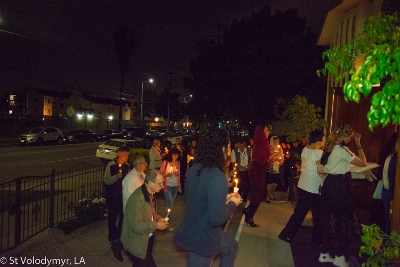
pixel 378 44
pixel 124 43
pixel 300 118
pixel 256 63
pixel 177 108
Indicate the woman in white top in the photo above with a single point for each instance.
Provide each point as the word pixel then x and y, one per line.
pixel 308 189
pixel 170 168
pixel 273 175
pixel 339 219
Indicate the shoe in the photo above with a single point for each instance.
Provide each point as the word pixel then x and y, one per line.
pixel 248 217
pixel 325 257
pixel 251 223
pixel 116 248
pixel 271 198
pixel 340 261
pixel 285 238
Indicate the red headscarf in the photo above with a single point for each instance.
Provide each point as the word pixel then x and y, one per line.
pixel 261 147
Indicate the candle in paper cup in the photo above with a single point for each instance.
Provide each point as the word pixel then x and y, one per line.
pixel 236 189
pixel 167 218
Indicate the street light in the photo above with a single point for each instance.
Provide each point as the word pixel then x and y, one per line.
pixel 141 102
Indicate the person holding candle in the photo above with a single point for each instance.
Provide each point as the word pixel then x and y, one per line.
pixel 141 220
pixel 208 206
pixel 114 174
pixel 241 156
pixel 170 168
pixel 274 175
pixel 155 155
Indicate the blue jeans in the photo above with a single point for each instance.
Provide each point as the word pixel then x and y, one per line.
pixel 229 247
pixel 170 196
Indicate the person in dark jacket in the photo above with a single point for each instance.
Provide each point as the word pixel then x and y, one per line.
pixel 114 174
pixel 208 206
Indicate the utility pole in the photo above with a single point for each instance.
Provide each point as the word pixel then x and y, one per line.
pixel 169 96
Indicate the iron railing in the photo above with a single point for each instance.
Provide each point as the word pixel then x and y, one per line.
pixel 29 205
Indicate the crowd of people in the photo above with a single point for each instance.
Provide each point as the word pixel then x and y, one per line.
pixel 314 172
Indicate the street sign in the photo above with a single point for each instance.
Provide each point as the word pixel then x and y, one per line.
pixel 70 111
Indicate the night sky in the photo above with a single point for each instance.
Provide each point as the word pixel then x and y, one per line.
pixel 66 45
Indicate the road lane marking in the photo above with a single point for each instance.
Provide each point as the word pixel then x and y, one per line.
pixel 67 159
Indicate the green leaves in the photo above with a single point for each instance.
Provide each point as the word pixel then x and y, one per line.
pixel 379 45
pixel 380 248
pixel 300 118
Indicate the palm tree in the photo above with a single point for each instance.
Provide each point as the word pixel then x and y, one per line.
pixel 124 43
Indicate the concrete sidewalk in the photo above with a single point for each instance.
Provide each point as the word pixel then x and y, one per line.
pixel 257 246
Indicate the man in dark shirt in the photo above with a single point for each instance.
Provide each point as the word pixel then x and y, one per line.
pixel 113 175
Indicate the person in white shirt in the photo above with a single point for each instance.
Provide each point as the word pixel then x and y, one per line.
pixel 155 155
pixel 134 179
pixel 339 219
pixel 241 155
pixel 308 190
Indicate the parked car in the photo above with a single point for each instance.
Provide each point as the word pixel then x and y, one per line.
pixel 152 133
pixel 109 134
pixel 109 150
pixel 134 132
pixel 41 135
pixel 172 136
pixel 77 136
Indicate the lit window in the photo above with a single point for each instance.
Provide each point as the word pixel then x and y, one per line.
pixel 12 100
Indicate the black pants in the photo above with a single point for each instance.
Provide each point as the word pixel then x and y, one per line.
pixel 115 218
pixel 148 261
pixel 306 201
pixel 244 184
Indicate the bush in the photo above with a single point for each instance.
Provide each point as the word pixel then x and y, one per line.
pixel 86 211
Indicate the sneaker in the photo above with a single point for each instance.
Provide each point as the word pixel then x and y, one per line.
pixel 340 261
pixel 325 257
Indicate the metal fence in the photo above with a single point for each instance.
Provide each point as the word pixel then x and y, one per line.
pixel 29 205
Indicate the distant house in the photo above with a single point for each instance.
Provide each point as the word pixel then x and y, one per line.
pixel 97 113
pixel 29 102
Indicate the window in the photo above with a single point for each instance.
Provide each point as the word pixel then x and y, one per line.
pixel 12 100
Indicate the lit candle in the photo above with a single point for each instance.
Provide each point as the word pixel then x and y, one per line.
pixel 120 170
pixel 236 181
pixel 169 210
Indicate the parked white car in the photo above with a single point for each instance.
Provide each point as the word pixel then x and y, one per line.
pixel 109 150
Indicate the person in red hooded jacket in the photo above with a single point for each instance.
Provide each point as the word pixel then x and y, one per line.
pixel 260 163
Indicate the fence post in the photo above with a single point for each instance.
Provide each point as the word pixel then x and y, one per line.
pixel 52 193
pixel 17 210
